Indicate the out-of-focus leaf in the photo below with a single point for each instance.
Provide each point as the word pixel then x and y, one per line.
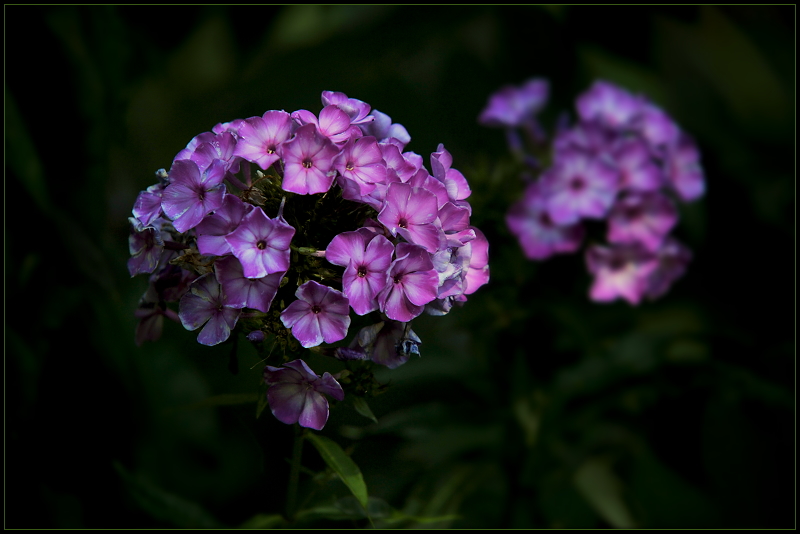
pixel 718 51
pixel 305 25
pixel 228 399
pixel 165 506
pixel 601 487
pixel 342 464
pixel 361 406
pixel 264 521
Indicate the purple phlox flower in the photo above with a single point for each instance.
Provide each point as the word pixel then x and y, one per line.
pixel 295 394
pixel 609 104
pixel 637 168
pixel 232 127
pixel 205 304
pixel 333 123
pixel 382 129
pixel 579 185
pixel 424 181
pixel 361 161
pixel 619 271
pixel 396 163
pixel 308 158
pixel 454 222
pixel 145 245
pixel 590 137
pixel 320 314
pixel 212 230
pixel 147 207
pixel 357 110
pixel 644 218
pixel 656 126
pixel 260 138
pixel 411 211
pixel 389 343
pixel 191 194
pixel 538 235
pixel 412 283
pixel 242 292
pixel 512 106
pixel 207 147
pixel 478 271
pixel 673 258
pixel 366 256
pixel 455 183
pixel 684 172
pixel 261 244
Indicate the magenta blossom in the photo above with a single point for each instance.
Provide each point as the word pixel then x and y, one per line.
pixel 367 257
pixel 308 160
pixel 411 211
pixel 260 138
pixel 619 271
pixel 361 161
pixel 412 283
pixel 580 186
pixel 261 244
pixel 513 106
pixel 191 194
pixel 538 235
pixel 206 304
pixel 296 394
pixel 320 314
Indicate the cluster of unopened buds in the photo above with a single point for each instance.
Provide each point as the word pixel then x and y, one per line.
pixel 625 162
pixel 279 226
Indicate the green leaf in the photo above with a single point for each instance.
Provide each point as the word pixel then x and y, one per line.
pixel 342 465
pixel 361 406
pixel 601 487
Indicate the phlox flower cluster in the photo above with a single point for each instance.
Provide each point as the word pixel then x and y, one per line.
pixel 281 225
pixel 623 162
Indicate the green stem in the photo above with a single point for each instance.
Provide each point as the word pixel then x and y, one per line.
pixel 294 473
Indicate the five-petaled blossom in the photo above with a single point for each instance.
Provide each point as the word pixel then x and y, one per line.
pixel 320 314
pixel 295 394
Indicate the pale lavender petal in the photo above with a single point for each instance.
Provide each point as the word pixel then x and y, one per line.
pixel 307 329
pixel 315 411
pixel 345 247
pixel 218 328
pixel 421 287
pixel 333 325
pixel 328 385
pixel 286 401
pixel 294 312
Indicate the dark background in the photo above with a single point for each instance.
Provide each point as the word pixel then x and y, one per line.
pixel 530 406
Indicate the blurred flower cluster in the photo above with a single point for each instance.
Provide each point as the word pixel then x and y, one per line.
pixel 327 208
pixel 624 161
